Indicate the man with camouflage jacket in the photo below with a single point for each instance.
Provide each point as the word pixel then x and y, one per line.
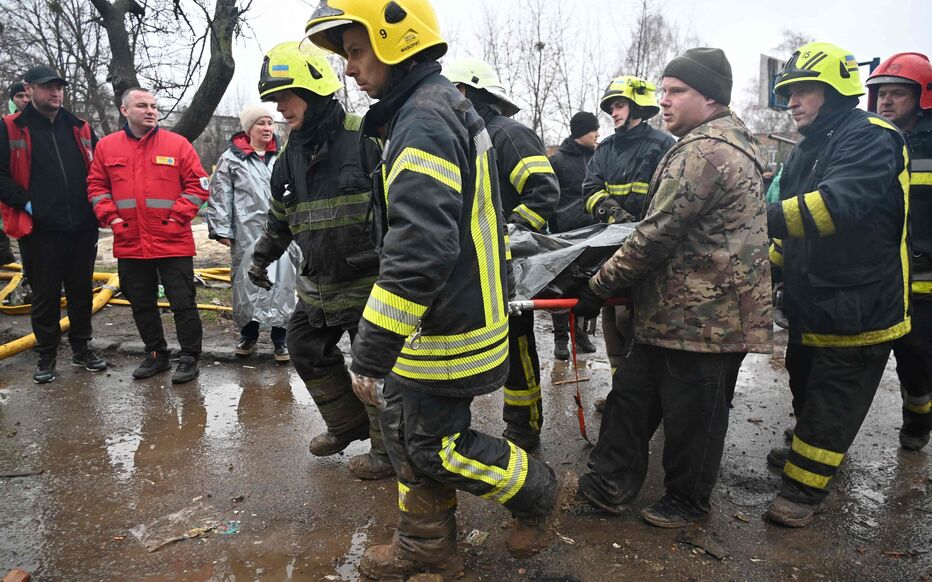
pixel 700 274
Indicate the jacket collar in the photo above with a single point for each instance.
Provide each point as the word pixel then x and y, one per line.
pixel 571 147
pixel 242 148
pixel 381 113
pixel 148 135
pixel 30 114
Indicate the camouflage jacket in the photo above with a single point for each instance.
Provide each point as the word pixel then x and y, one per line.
pixel 698 261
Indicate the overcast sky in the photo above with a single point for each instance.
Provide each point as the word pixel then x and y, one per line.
pixel 743 29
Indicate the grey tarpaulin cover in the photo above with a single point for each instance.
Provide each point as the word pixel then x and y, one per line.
pixel 551 265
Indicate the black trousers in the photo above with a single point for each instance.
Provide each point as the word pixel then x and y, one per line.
pixel 832 391
pixel 914 368
pixel 53 259
pixel 561 325
pixel 139 281
pixel 431 445
pixel 523 409
pixel 6 251
pixel 689 392
pixel 250 331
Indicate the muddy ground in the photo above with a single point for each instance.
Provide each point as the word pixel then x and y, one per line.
pixel 101 454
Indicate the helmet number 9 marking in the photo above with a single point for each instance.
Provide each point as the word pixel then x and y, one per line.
pixel 383 33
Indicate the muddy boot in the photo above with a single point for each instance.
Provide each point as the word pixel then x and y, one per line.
pixel 425 541
pixel 788 513
pixel 327 443
pixel 600 405
pixel 914 434
pixel 777 457
pixel 666 514
pixel 531 534
pixel 913 442
pixel 374 464
pixel 529 441
pixel 342 411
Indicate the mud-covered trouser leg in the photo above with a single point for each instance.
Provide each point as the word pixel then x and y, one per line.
pixel 798 364
pixel 617 330
pixel 376 442
pixel 839 390
pixel 689 392
pixel 319 362
pixel 914 368
pixel 432 447
pixel 523 410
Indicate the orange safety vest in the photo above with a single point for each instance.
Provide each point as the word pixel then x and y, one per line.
pixel 17 222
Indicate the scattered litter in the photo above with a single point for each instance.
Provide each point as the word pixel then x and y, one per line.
pixel 741 517
pixel 187 523
pixel 23 473
pixel 566 540
pixel 238 498
pixel 476 538
pixel 250 367
pixel 119 538
pixel 756 560
pixel 216 363
pixel 755 420
pixel 573 381
pixel 702 540
pixel 229 527
pixel 897 554
pixel 616 545
pixel 331 577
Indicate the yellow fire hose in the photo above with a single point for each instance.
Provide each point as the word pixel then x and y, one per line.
pixel 103 296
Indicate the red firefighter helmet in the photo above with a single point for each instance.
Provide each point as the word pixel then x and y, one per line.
pixel 907 68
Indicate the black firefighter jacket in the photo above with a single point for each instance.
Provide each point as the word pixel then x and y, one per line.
pixel 840 232
pixel 529 188
pixel 623 166
pixel 920 206
pixel 437 316
pixel 320 198
pixel 569 163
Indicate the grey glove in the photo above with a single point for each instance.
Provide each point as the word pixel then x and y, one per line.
pixel 259 277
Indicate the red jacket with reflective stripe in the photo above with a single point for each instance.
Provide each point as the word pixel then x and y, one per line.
pixel 155 184
pixel 17 222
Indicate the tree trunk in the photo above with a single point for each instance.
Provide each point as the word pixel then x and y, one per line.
pixel 218 75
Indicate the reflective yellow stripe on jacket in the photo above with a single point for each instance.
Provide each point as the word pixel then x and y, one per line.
pixel 527 166
pixel 815 204
pixel 391 312
pixel 456 356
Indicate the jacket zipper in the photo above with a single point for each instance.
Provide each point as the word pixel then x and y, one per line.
pixel 64 175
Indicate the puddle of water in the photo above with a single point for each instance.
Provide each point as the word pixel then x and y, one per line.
pixel 221 403
pixel 348 568
pixel 121 449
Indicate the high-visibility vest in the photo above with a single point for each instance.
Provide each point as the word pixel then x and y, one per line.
pixel 17 222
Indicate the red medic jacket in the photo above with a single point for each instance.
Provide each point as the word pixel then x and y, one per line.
pixel 155 184
pixel 16 221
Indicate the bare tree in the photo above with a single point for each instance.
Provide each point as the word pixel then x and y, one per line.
pixel 62 34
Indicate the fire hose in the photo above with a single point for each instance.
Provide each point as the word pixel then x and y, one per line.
pixel 103 296
pixel 552 304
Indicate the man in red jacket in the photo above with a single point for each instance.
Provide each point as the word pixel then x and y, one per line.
pixel 147 184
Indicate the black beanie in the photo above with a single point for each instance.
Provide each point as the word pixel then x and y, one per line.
pixel 706 70
pixel 16 88
pixel 583 123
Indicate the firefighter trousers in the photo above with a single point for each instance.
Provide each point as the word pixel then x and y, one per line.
pixel 435 453
pixel 914 368
pixel 320 364
pixel 832 391
pixel 523 410
pixel 689 392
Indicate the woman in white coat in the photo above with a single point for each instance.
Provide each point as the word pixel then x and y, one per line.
pixel 237 212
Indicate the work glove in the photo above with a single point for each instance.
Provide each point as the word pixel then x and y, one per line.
pixel 28 208
pixel 369 390
pixel 589 304
pixel 259 277
pixel 610 211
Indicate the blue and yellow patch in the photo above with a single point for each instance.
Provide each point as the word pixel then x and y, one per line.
pixel 851 63
pixel 280 71
pixel 164 161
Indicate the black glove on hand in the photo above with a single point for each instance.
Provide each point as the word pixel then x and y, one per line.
pixel 611 211
pixel 259 277
pixel 589 304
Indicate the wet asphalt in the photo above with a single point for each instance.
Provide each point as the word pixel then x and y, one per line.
pixel 100 454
